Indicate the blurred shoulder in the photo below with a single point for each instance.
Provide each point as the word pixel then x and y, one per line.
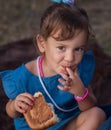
pixel 32 66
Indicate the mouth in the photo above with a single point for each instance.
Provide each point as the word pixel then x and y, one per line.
pixel 72 67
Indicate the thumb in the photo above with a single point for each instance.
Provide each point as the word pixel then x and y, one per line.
pixel 76 72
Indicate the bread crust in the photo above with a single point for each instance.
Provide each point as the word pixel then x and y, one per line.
pixel 42 115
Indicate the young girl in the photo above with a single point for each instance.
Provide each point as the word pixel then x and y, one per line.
pixel 62 72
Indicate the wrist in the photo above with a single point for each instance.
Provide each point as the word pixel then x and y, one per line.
pixel 12 102
pixel 81 92
pixel 13 110
pixel 83 97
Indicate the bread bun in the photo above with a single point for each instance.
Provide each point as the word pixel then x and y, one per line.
pixel 41 116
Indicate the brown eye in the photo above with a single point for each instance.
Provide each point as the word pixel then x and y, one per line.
pixel 79 50
pixel 62 48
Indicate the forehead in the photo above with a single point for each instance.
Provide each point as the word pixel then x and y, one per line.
pixel 82 34
pixel 78 40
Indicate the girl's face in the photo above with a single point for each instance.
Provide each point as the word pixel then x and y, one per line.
pixel 58 55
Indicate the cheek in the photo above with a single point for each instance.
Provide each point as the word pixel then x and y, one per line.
pixel 58 56
pixel 55 56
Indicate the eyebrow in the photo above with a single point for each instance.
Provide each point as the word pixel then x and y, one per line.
pixel 80 45
pixel 59 38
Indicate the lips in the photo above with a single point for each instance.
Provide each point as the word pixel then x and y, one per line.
pixel 72 67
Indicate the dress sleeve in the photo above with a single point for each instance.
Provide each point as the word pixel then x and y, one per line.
pixel 86 68
pixel 9 84
pixel 13 82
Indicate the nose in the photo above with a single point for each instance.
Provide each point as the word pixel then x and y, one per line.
pixel 69 57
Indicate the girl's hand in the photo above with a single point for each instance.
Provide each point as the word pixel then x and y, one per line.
pixel 72 82
pixel 23 102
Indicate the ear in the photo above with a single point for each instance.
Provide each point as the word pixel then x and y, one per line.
pixel 41 43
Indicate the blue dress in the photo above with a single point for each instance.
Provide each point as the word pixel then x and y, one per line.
pixel 22 80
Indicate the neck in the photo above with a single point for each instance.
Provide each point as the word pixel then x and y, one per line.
pixel 44 68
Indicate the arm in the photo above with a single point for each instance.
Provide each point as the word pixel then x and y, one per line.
pixel 89 101
pixel 20 105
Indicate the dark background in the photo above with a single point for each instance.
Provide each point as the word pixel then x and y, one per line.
pixel 19 19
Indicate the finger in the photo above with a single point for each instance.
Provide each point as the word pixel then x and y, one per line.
pixel 65 76
pixel 70 72
pixel 69 82
pixel 24 107
pixel 24 98
pixel 19 107
pixel 63 82
pixel 63 88
pixel 63 70
pixel 20 110
pixel 76 72
pixel 66 83
pixel 28 95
